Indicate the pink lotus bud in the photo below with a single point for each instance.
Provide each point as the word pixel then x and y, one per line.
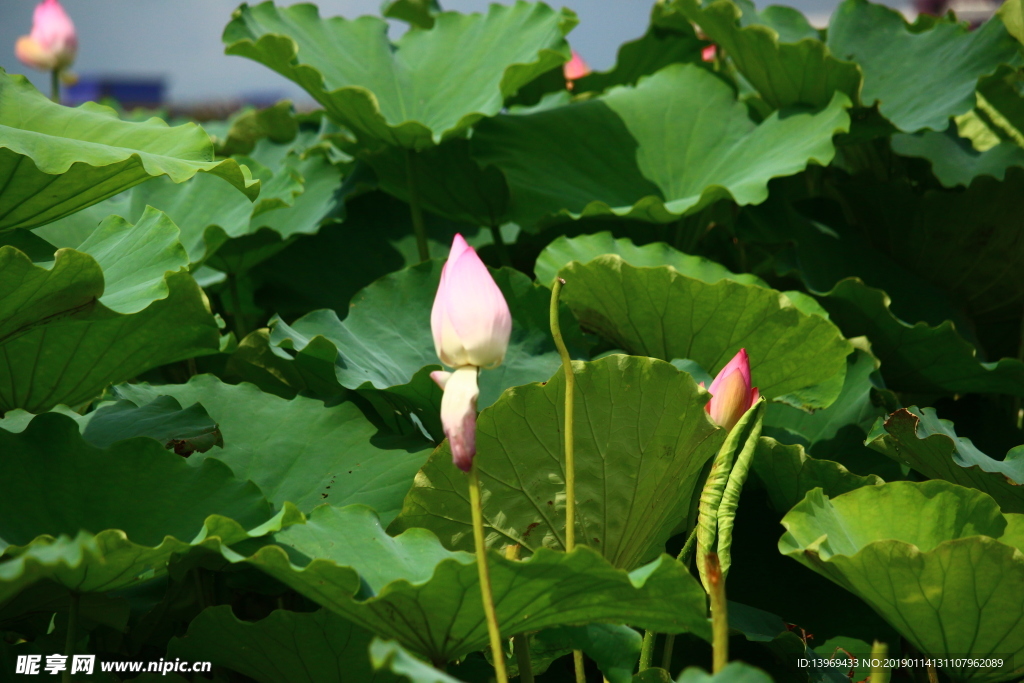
pixel 731 393
pixel 470 319
pixel 52 44
pixel 458 415
pixel 575 67
pixel 709 53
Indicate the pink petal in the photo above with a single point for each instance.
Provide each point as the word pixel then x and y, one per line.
pixel 575 67
pixel 458 415
pixel 739 362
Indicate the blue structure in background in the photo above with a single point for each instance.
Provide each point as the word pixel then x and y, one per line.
pixel 129 92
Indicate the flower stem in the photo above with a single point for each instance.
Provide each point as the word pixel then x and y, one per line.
pixel 55 85
pixel 719 615
pixel 647 650
pixel 485 575
pixel 69 641
pixel 418 226
pixel 570 463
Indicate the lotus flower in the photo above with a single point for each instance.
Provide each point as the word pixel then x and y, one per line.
pixel 52 44
pixel 575 68
pixel 471 325
pixel 731 393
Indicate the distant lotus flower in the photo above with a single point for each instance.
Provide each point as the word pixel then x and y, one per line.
pixel 52 44
pixel 471 325
pixel 575 68
pixel 709 53
pixel 731 393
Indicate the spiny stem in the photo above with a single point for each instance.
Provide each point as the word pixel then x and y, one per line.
pixel 55 85
pixel 647 650
pixel 570 390
pixel 418 226
pixel 69 641
pixel 719 615
pixel 485 576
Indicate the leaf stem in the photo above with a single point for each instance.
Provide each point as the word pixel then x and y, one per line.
pixel 485 575
pixel 666 653
pixel 238 317
pixel 647 650
pixel 570 390
pixel 499 244
pixel 418 226
pixel 577 660
pixel 879 674
pixel 72 636
pixel 55 85
pixel 719 615
pixel 520 641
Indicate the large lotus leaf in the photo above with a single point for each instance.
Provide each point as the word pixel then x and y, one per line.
pixel 939 562
pixel 418 91
pixel 185 430
pixel 245 129
pixel 285 647
pixel 416 12
pixel 614 648
pixel 918 438
pixel 641 440
pixel 918 357
pixel 734 672
pixel 660 312
pixel 298 450
pixel 389 656
pixel 669 39
pixel 954 160
pixel 384 347
pixel 65 335
pixel 784 73
pixel 788 473
pixel 56 160
pixel 122 512
pixel 999 112
pixel 583 248
pixel 917 94
pixel 358 571
pixel 675 143
pixel 1012 14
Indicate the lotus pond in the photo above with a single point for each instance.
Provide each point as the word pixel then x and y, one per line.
pixel 732 340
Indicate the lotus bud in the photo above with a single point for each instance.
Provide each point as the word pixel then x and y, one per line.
pixel 52 44
pixel 731 393
pixel 470 319
pixel 574 69
pixel 458 415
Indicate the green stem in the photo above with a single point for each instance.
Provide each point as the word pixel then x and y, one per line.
pixel 237 316
pixel 521 644
pixel 55 85
pixel 577 660
pixel 647 650
pixel 69 642
pixel 719 615
pixel 570 390
pixel 666 654
pixel 686 552
pixel 879 674
pixel 499 244
pixel 418 226
pixel 485 575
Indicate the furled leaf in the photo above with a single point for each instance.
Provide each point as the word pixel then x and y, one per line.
pixel 675 143
pixel 641 436
pixel 358 571
pixel 918 438
pixel 784 72
pixel 659 312
pixel 899 62
pixel 418 91
pixel 385 348
pixel 788 473
pixel 299 450
pixel 954 160
pixel 58 160
pixel 285 647
pixel 70 327
pixel 939 562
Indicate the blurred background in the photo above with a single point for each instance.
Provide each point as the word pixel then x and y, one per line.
pixel 169 52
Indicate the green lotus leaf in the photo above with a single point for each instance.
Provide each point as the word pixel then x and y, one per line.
pixel 954 160
pixel 675 143
pixel 358 571
pixel 918 357
pixel 918 438
pixel 285 647
pixel 999 112
pixel 416 12
pixel 614 648
pixel 642 438
pixel 917 95
pixel 277 123
pixel 939 562
pixel 117 308
pixel 418 91
pixel 1012 14
pixel 298 450
pixel 734 672
pixel 660 312
pixel 124 511
pixel 788 473
pixel 784 73
pixel 669 39
pixel 185 430
pixel 78 157
pixel 583 248
pixel 391 657
pixel 789 23
pixel 385 349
